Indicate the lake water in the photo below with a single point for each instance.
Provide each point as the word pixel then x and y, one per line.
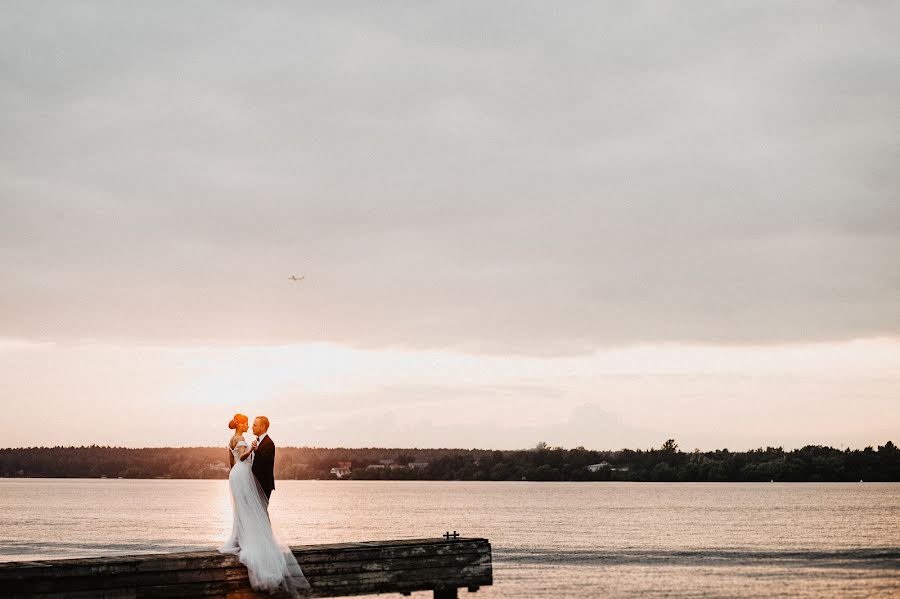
pixel 549 539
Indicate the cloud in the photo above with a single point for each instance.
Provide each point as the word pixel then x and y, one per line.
pixel 533 181
pixel 326 395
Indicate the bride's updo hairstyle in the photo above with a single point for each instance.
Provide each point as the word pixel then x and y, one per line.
pixel 238 419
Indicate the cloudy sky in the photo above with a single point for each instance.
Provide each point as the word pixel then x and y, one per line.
pixel 600 225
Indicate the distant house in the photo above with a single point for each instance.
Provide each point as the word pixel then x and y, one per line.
pixel 398 467
pixel 385 462
pixel 342 470
pixel 418 465
pixel 375 467
pixel 599 467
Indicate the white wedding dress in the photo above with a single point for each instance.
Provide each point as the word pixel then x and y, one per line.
pixel 270 563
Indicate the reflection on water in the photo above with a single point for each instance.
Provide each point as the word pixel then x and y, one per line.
pixel 549 539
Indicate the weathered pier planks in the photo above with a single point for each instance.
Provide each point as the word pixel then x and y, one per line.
pixel 335 570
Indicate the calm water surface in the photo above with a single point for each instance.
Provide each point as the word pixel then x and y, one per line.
pixel 549 539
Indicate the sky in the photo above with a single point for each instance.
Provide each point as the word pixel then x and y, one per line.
pixel 599 225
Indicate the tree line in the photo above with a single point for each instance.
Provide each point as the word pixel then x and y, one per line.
pixel 541 463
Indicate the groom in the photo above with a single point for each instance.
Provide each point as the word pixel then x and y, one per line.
pixel 264 460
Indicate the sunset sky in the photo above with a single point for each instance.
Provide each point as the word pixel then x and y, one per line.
pixel 600 225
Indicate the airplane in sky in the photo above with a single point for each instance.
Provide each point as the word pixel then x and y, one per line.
pixel 296 278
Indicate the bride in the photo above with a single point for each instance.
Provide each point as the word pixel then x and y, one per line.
pixel 270 563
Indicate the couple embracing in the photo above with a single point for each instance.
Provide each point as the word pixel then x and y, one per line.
pixel 271 565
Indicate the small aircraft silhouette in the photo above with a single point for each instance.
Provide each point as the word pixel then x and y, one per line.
pixel 296 278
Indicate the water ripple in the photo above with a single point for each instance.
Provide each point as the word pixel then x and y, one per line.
pixel 862 557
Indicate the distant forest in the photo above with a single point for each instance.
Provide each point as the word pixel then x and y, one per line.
pixel 542 463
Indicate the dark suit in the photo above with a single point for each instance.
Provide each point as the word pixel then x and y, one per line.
pixel 264 465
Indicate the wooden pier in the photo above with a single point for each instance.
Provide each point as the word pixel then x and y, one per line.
pixel 336 570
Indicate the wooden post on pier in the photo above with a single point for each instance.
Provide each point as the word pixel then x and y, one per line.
pixel 336 570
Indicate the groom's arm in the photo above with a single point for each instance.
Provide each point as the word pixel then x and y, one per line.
pixel 267 451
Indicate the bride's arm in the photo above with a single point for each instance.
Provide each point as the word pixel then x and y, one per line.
pixel 245 452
